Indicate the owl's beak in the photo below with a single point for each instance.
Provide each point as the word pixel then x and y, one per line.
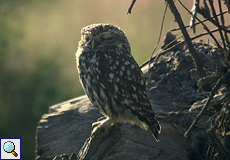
pixel 94 43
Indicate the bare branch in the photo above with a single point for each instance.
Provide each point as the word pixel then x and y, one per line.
pixel 176 29
pixel 131 7
pixel 217 21
pixel 223 24
pixel 205 28
pixel 217 144
pixel 200 71
pixel 205 107
pixel 193 13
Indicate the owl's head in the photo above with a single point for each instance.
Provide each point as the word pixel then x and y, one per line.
pixel 99 37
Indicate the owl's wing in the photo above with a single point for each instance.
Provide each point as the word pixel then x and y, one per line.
pixel 123 79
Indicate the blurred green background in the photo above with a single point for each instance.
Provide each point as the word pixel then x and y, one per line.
pixel 38 41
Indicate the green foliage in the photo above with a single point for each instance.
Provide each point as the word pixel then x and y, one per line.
pixel 38 39
pixel 24 98
pixel 26 95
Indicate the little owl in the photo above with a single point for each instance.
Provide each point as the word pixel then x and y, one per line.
pixel 112 79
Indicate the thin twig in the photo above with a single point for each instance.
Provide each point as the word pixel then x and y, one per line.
pixel 200 71
pixel 222 21
pixel 162 24
pixel 218 146
pixel 203 34
pixel 217 21
pixel 205 27
pixel 206 105
pixel 131 7
pixel 162 52
pixel 172 47
pixel 176 29
pixel 194 13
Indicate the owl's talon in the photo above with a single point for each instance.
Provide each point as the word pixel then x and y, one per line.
pixel 94 128
pixel 101 118
pixel 95 124
pixel 103 124
pixel 99 122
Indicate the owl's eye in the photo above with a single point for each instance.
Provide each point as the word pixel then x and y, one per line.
pixel 107 36
pixel 87 38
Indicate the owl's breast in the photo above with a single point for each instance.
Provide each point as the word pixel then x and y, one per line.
pixel 87 64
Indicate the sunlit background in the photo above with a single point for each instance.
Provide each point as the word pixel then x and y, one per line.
pixel 38 41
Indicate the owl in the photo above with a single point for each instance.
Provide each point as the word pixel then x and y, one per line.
pixel 112 79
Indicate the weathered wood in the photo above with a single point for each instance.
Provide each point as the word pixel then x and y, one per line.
pixel 172 90
pixel 100 142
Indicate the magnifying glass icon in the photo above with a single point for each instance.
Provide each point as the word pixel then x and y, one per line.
pixel 9 147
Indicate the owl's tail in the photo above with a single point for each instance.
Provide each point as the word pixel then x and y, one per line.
pixel 155 129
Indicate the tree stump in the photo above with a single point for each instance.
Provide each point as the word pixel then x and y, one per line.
pixel 172 89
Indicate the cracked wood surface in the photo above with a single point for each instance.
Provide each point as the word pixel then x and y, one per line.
pixel 172 91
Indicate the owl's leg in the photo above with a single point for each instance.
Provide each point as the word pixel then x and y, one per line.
pixel 103 124
pixel 101 118
pixel 95 124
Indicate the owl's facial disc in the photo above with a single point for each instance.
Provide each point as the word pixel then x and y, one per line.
pixel 105 37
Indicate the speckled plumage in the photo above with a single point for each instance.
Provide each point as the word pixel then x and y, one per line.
pixel 112 79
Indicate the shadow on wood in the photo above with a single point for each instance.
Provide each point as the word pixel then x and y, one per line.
pixel 172 91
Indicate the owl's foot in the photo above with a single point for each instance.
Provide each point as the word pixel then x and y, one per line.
pixel 101 118
pixel 103 124
pixel 95 124
pixel 99 121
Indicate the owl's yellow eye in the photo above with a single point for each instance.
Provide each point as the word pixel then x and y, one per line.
pixel 107 36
